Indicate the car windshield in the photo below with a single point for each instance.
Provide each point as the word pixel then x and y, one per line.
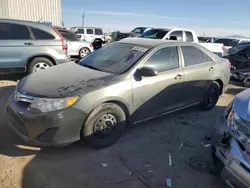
pixel 227 42
pixel 155 33
pixel 69 36
pixel 114 58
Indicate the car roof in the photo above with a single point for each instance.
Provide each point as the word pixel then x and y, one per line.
pixel 151 42
pixel 47 27
pixel 85 27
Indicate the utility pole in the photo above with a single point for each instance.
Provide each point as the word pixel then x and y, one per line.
pixel 83 19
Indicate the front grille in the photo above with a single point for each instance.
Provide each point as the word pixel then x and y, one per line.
pixel 17 122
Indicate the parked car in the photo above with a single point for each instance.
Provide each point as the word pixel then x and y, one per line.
pixel 91 34
pixel 138 31
pixel 76 47
pixel 240 57
pixel 29 46
pixel 238 47
pixel 182 35
pixel 230 42
pixel 232 144
pixel 132 80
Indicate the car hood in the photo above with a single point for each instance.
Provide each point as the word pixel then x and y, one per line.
pixel 64 80
pixel 241 105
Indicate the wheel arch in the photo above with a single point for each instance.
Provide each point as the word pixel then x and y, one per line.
pixel 40 55
pixel 221 84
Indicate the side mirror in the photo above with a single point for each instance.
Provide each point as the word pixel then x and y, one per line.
pixel 146 72
pixel 173 38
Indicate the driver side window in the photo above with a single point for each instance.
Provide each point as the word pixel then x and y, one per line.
pixel 164 59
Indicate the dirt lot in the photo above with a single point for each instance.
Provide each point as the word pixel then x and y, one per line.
pixel 146 149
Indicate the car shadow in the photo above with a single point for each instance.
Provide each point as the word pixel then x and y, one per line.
pixel 12 77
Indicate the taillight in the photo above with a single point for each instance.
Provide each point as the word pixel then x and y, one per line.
pixel 229 64
pixel 64 45
pixel 90 45
pixel 223 47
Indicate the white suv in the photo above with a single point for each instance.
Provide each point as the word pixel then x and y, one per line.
pixel 91 34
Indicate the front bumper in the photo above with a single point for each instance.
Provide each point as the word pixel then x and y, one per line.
pixel 57 128
pixel 236 171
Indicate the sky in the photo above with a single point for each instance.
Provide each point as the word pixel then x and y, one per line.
pixel 207 18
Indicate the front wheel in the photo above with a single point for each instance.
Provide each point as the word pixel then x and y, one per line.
pixel 104 125
pixel 39 64
pixel 211 96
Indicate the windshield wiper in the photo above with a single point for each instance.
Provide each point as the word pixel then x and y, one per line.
pixel 91 67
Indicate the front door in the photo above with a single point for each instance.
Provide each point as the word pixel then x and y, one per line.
pixel 16 45
pixel 199 71
pixel 155 95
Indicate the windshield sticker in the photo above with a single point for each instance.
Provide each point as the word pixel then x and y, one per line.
pixel 140 49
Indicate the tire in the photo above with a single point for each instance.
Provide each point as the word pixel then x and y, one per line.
pixel 83 52
pixel 246 82
pixel 38 64
pixel 97 44
pixel 211 96
pixel 105 112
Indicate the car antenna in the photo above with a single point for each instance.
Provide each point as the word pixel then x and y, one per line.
pixel 40 20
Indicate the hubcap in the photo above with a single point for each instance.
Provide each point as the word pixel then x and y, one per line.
pixel 104 125
pixel 40 66
pixel 84 52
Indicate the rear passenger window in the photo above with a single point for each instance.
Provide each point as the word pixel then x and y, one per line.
pixel 10 31
pixel 164 59
pixel 177 34
pixel 41 35
pixel 98 32
pixel 189 37
pixel 90 31
pixel 194 56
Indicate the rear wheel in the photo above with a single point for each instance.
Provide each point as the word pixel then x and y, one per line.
pixel 84 52
pixel 211 96
pixel 104 125
pixel 38 64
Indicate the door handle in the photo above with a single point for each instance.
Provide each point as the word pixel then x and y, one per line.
pixel 28 43
pixel 179 77
pixel 211 69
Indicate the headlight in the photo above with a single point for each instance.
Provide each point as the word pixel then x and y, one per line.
pixel 47 105
pixel 238 127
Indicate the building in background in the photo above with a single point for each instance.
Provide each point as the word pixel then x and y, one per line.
pixel 32 10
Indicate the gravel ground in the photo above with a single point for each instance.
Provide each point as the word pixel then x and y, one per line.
pixel 145 149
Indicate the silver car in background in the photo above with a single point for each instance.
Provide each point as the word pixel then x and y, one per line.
pixel 233 142
pixel 30 46
pixel 76 47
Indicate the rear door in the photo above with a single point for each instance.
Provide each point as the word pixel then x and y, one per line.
pixel 155 95
pixel 47 44
pixel 89 35
pixel 16 45
pixel 199 71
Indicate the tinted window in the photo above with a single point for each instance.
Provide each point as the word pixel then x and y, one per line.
pixel 90 31
pixel 14 32
pixel 194 56
pixel 178 34
pixel 138 30
pixel 114 58
pixel 227 42
pixel 80 31
pixel 189 37
pixel 41 35
pixel 164 59
pixel 68 36
pixel 155 33
pixel 98 32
